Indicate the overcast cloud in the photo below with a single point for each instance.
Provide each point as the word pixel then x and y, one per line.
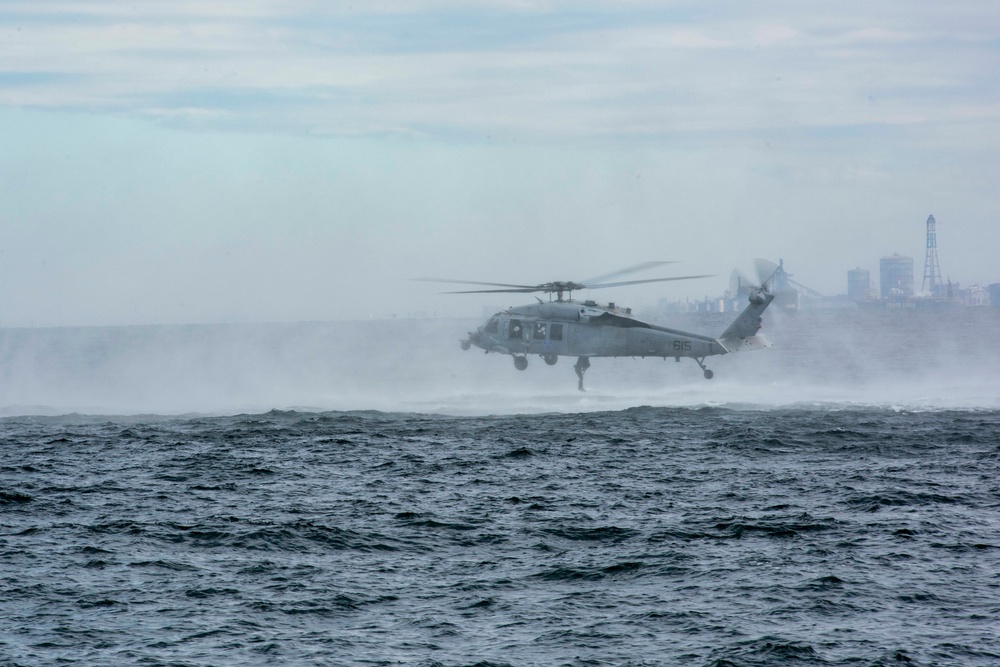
pixel 171 161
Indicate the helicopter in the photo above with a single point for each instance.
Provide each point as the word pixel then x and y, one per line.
pixel 584 329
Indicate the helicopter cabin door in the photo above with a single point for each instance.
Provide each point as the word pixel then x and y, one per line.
pixel 547 338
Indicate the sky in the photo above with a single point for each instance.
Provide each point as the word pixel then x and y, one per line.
pixel 184 162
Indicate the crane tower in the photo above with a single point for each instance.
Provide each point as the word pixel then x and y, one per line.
pixel 932 272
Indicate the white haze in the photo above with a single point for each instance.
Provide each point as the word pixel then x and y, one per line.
pixel 905 360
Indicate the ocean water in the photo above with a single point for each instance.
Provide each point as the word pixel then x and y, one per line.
pixel 833 501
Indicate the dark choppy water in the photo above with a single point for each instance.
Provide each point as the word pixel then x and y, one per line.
pixel 643 536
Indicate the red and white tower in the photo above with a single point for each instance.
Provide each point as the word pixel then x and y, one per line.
pixel 932 272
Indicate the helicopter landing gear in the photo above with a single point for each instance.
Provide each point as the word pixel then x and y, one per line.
pixel 708 374
pixel 550 359
pixel 581 366
pixel 520 363
pixel 465 344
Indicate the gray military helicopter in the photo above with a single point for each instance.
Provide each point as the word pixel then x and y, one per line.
pixel 584 329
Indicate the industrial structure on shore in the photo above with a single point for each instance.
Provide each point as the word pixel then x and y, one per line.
pixel 789 295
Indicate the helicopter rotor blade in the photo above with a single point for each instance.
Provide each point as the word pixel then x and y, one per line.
pixel 525 290
pixel 639 282
pixel 476 282
pixel 622 272
pixel 739 280
pixel 558 286
pixel 765 270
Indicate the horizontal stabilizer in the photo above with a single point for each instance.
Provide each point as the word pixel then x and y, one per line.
pixel 734 344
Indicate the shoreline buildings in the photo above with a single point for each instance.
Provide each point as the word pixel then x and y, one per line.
pixel 895 290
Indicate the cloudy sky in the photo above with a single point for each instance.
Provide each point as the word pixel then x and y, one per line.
pixel 203 161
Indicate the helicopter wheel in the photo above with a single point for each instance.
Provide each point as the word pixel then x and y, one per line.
pixel 709 374
pixel 465 344
pixel 551 359
pixel 520 363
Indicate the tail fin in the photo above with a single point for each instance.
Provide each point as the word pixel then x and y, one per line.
pixel 742 333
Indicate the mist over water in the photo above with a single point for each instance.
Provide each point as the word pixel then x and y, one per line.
pixel 907 359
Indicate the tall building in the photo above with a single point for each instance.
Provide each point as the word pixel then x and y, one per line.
pixel 994 291
pixel 859 283
pixel 896 276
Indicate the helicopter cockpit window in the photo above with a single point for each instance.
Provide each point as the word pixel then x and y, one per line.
pixel 556 332
pixel 540 329
pixel 492 326
pixel 514 331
